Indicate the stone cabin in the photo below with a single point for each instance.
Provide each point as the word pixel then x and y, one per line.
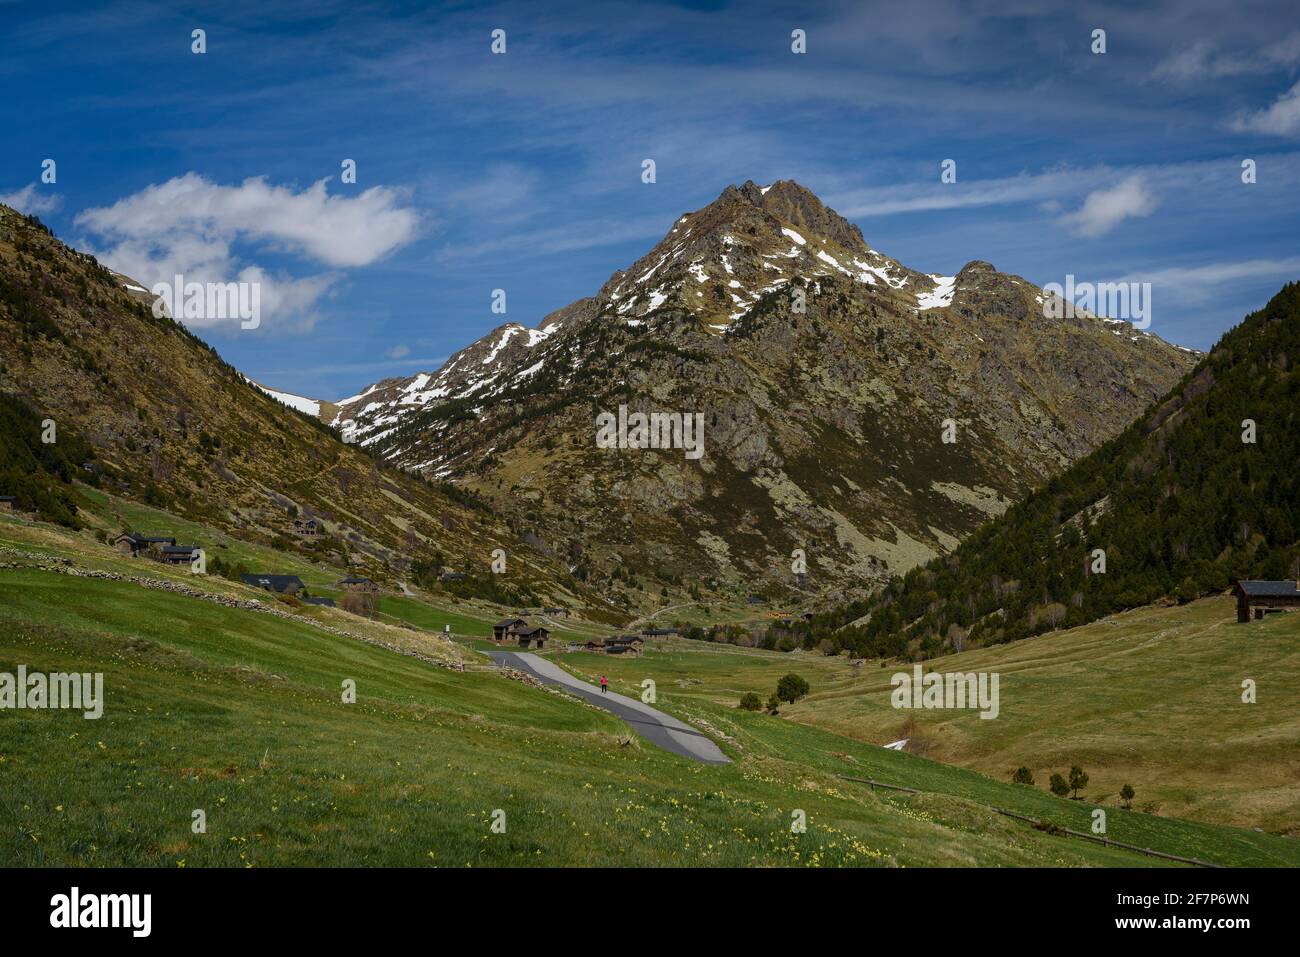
pixel 359 583
pixel 178 554
pixel 1264 598
pixel 309 528
pixel 534 636
pixel 507 626
pixel 135 544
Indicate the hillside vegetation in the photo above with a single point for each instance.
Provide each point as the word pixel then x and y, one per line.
pixel 172 425
pixel 1179 504
pixel 39 475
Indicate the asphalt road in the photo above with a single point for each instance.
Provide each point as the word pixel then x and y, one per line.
pixel 656 727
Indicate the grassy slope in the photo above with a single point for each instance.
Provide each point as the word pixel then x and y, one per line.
pixel 1150 698
pixel 220 709
pixel 239 714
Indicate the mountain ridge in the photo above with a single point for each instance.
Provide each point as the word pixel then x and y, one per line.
pixel 169 422
pixel 1196 493
pixel 770 313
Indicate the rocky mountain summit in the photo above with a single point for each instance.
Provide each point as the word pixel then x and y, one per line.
pixel 859 416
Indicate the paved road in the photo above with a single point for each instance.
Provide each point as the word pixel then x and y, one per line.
pixel 656 727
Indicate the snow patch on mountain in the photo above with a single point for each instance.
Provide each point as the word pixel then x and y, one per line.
pixel 302 404
pixel 940 296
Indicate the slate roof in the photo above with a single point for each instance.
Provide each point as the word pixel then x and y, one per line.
pixel 1266 589
pixel 276 583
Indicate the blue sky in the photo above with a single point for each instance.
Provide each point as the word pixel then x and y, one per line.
pixel 522 171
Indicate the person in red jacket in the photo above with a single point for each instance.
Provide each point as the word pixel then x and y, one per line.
pixel 604 685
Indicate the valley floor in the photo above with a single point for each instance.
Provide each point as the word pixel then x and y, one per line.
pixel 240 714
pixel 1150 698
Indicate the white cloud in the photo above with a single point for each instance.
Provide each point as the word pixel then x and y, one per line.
pixel 1280 119
pixel 32 200
pixel 1191 280
pixel 1104 209
pixel 1203 61
pixel 398 352
pixel 1042 187
pixel 191 226
pixel 338 231
pixel 1200 61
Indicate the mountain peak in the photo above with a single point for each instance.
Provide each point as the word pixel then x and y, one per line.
pixel 795 204
pixel 800 206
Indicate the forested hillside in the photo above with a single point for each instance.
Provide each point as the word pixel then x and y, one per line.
pixel 38 474
pixel 1201 490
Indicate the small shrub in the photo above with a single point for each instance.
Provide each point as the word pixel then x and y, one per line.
pixel 1058 786
pixel 791 688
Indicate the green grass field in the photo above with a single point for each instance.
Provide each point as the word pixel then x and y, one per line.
pixel 1150 698
pixel 240 714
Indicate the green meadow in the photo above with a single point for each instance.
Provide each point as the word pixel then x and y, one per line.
pixel 241 715
pixel 1150 698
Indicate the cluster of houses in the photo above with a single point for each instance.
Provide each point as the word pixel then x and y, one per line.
pixel 629 645
pixel 521 632
pixel 293 585
pixel 525 634
pixel 161 548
